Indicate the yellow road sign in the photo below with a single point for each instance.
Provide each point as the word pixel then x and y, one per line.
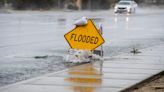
pixel 85 37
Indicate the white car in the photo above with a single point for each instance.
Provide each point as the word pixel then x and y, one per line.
pixel 128 6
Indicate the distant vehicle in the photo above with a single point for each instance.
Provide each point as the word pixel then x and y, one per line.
pixel 128 6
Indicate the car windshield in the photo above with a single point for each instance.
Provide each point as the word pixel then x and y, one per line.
pixel 124 3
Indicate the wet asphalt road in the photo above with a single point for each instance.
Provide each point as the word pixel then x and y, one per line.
pixel 24 35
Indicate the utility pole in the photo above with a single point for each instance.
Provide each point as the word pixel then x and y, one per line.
pixel 101 50
pixel 58 3
pixel 89 4
pixel 79 4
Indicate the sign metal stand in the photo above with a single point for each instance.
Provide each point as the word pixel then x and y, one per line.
pixel 102 54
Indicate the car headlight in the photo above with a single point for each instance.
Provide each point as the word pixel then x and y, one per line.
pixel 128 8
pixel 115 7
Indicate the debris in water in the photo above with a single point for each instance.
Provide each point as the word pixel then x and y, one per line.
pixel 135 51
pixel 41 57
pixel 81 56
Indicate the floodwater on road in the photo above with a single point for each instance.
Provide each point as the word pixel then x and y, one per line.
pixel 27 34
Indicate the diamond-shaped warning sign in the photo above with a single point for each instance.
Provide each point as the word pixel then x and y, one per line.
pixel 85 37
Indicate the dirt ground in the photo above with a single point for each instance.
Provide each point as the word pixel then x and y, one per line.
pixel 156 85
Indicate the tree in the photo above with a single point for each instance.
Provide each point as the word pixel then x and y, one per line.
pixel 33 4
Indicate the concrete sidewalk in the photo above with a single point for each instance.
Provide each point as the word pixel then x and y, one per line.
pixel 119 72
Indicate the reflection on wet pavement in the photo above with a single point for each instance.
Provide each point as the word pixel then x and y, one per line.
pixel 96 19
pixel 87 80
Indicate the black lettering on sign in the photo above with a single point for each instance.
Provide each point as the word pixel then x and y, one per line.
pixel 92 39
pixel 72 36
pixel 75 39
pixel 84 38
pixel 96 40
pixel 87 39
pixel 79 38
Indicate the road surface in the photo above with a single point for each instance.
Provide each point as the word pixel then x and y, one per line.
pixel 27 34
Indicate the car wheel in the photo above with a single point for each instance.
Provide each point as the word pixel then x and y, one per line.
pixel 134 10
